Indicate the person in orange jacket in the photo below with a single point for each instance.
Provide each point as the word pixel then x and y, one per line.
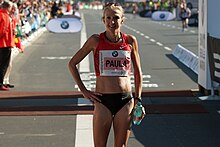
pixel 6 40
pixel 18 46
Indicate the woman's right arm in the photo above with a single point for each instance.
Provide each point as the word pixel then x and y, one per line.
pixel 89 46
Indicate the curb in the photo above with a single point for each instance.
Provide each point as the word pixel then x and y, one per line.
pixel 73 94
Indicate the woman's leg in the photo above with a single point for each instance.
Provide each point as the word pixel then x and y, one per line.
pixel 102 121
pixel 122 124
pixel 187 22
pixel 183 24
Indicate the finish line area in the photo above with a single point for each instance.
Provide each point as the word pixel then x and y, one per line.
pixel 66 118
pixel 73 103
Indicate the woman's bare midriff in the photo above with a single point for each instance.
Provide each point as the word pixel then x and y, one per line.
pixel 113 84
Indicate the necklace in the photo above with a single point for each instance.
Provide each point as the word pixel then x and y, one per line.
pixel 113 41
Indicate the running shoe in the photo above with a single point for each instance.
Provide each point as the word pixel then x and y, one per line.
pixel 9 85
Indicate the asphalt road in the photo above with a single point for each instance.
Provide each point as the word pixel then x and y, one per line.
pixel 43 65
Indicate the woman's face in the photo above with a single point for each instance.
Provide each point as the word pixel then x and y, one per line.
pixel 113 20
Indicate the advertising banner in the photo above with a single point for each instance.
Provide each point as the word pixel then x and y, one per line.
pixel 163 16
pixel 214 39
pixel 64 25
pixel 214 58
pixel 209 44
pixel 203 68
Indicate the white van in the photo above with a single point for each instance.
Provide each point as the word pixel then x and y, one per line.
pixel 191 4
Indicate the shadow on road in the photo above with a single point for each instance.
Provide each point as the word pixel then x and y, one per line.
pixel 192 75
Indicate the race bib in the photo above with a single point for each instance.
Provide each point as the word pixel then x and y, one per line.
pixel 114 62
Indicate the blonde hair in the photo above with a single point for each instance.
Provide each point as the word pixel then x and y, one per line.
pixel 112 6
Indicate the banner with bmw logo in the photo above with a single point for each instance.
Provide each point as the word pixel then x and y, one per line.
pixel 64 25
pixel 163 16
pixel 114 62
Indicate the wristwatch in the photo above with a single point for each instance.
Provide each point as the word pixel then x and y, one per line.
pixel 138 98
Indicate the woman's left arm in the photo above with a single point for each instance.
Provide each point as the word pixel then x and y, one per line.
pixel 136 66
pixel 137 72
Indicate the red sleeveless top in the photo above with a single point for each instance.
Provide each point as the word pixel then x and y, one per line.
pixel 112 59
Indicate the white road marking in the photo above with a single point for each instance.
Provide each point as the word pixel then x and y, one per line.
pixel 2 133
pixel 84 135
pixel 57 58
pixel 150 85
pixel 167 48
pixel 29 135
pixel 38 135
pixel 147 37
pixel 146 76
pixel 160 44
pixel 142 34
pixel 89 80
pixel 84 122
pixel 84 65
pixel 173 26
pixel 152 40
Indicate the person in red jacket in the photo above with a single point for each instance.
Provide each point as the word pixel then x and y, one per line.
pixel 6 40
pixel 68 7
pixel 18 47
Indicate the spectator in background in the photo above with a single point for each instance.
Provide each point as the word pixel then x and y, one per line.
pixel 185 13
pixel 6 40
pixel 17 25
pixel 68 7
pixel 1 2
pixel 134 9
pixel 59 13
pixel 54 10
